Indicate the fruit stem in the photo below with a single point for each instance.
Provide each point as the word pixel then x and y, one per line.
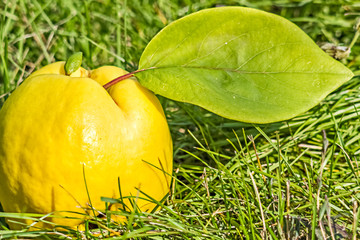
pixel 73 63
pixel 123 77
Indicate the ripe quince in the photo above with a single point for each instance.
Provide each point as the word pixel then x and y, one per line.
pixel 66 142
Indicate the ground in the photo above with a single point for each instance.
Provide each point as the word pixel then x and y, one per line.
pixel 296 179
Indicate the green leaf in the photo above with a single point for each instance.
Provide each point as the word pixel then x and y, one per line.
pixel 73 63
pixel 240 63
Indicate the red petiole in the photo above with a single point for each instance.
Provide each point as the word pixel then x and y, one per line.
pixel 123 77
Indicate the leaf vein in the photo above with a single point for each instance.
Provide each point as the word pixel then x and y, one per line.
pixel 243 72
pixel 263 51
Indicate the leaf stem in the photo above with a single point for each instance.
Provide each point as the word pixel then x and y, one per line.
pixel 123 77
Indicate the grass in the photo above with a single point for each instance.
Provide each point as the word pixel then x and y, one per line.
pixel 297 179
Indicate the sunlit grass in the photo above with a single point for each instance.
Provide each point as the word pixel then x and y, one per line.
pixel 297 179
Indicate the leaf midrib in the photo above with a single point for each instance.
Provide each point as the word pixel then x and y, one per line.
pixel 242 71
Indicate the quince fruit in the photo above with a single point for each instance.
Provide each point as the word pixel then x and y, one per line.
pixel 66 141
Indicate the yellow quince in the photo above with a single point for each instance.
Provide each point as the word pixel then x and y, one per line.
pixel 66 141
